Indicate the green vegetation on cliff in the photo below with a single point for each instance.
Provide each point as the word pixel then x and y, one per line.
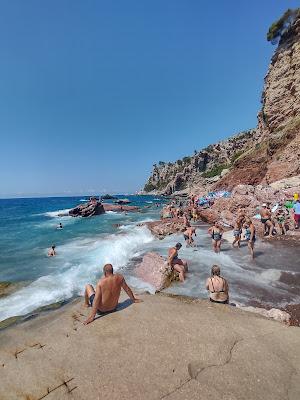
pixel 282 25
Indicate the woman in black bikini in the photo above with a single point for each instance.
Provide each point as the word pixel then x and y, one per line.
pixel 216 235
pixel 217 286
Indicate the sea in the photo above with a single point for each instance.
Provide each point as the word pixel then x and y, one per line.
pixel 28 228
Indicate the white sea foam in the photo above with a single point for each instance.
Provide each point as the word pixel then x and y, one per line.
pixel 55 214
pixel 78 262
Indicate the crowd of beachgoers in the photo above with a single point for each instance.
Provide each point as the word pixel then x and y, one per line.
pixel 104 297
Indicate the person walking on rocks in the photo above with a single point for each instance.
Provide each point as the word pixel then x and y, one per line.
pixel 176 263
pixel 266 219
pixel 296 210
pixel 186 221
pixel 216 235
pixel 217 286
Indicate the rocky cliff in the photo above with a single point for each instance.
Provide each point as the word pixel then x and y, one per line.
pixel 269 153
pixel 202 169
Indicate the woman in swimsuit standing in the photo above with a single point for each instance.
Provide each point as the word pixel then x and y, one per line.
pixel 217 286
pixel 216 235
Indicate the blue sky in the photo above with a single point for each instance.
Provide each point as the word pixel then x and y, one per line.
pixel 92 93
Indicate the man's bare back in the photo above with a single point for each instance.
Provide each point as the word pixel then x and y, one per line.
pixel 106 296
pixel 110 289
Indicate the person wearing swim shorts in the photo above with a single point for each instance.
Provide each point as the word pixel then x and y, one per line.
pixel 105 298
pixel 188 236
pixel 177 263
pixel 237 233
pixel 216 235
pixel 250 235
pixel 266 219
pixel 296 211
pixel 217 286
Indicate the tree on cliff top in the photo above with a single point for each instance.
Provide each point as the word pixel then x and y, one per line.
pixel 278 28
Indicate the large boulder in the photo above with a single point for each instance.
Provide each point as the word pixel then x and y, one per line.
pixel 154 270
pixel 87 210
pixel 165 227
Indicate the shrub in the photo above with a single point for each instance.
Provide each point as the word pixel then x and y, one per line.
pixel 279 27
pixel 186 160
pixel 236 155
pixel 149 187
pixel 216 170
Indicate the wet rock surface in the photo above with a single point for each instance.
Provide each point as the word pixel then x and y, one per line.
pixel 165 227
pixel 154 270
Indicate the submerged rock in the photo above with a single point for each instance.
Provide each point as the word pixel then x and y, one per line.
pixel 154 270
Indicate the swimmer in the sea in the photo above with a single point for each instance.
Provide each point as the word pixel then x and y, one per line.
pixel 59 226
pixel 52 252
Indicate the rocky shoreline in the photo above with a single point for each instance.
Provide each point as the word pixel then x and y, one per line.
pixel 55 356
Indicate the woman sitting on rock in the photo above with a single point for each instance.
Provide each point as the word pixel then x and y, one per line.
pixel 217 286
pixel 216 235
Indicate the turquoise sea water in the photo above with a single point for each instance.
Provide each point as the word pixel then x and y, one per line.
pixel 28 229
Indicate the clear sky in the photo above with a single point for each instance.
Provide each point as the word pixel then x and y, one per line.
pixel 93 92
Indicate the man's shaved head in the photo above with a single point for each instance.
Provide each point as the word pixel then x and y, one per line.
pixel 108 269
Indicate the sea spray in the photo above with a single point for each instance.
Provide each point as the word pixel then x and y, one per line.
pixel 85 262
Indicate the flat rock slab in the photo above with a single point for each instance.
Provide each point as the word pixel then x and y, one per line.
pixel 164 348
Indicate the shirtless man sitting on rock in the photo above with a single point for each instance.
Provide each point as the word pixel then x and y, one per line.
pixel 105 299
pixel 266 219
pixel 176 263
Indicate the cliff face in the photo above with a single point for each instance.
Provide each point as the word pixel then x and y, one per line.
pixel 278 154
pixel 269 153
pixel 203 168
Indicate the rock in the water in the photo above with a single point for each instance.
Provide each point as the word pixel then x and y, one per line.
pixel 165 227
pixel 119 208
pixel 89 209
pixel 154 270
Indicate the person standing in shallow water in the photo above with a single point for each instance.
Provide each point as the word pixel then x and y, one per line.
pixel 250 235
pixel 217 286
pixel 188 236
pixel 216 235
pixel 237 232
